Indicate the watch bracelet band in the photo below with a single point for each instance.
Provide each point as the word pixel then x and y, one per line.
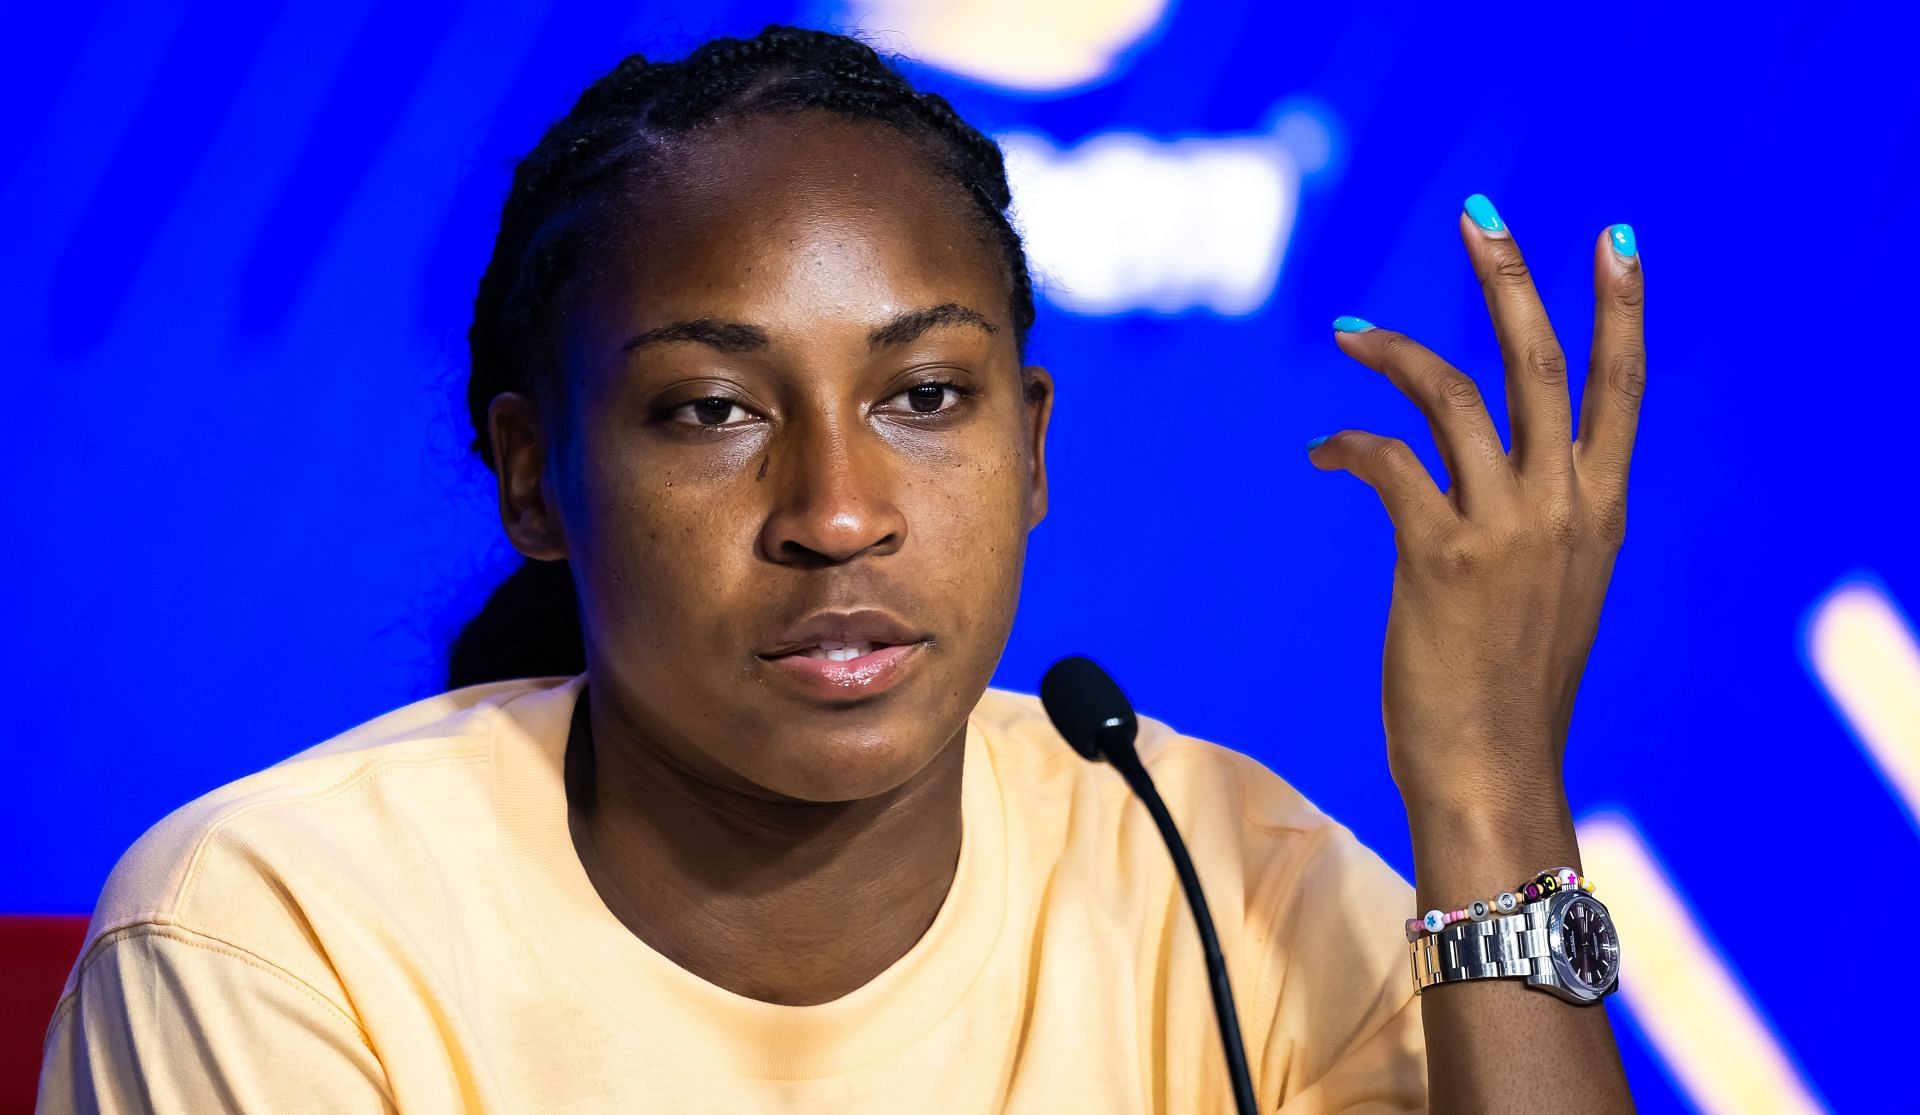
pixel 1504 945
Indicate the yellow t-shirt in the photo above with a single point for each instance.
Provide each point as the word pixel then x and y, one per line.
pixel 396 920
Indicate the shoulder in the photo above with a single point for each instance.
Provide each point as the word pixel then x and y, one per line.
pixel 1241 820
pixel 1231 809
pixel 1190 773
pixel 218 865
pixel 1310 917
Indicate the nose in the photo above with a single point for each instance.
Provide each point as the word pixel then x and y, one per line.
pixel 832 498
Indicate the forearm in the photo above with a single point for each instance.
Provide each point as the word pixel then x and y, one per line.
pixel 1496 1045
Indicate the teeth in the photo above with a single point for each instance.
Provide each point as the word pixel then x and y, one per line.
pixel 838 652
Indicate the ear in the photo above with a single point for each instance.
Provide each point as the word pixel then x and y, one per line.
pixel 519 440
pixel 1038 387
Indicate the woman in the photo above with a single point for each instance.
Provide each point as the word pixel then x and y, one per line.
pixel 748 357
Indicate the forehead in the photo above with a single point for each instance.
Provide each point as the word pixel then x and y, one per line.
pixel 796 222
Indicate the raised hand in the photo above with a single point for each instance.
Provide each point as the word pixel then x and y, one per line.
pixel 1499 581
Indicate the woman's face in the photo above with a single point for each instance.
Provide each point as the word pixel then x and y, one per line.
pixel 797 429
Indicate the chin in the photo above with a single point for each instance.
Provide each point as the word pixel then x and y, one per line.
pixel 829 766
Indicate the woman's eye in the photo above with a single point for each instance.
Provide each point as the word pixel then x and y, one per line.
pixel 713 411
pixel 930 398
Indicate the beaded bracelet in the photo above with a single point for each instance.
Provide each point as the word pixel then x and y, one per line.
pixel 1506 902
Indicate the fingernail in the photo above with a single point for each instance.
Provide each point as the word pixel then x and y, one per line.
pixel 1621 237
pixel 1347 323
pixel 1486 216
pixel 1317 442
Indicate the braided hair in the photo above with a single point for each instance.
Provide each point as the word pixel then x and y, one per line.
pixel 564 203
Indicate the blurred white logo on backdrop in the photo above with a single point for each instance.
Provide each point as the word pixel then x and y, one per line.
pixel 1123 222
pixel 1120 222
pixel 1035 46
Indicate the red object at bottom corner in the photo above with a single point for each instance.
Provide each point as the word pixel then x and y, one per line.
pixel 36 953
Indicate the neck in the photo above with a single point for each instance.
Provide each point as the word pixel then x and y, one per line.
pixel 779 900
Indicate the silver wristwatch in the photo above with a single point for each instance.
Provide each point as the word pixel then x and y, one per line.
pixel 1564 944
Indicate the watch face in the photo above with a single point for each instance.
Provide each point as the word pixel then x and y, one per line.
pixel 1584 945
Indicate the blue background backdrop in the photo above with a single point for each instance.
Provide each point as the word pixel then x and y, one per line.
pixel 241 241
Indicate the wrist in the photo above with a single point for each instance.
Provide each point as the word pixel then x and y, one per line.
pixel 1478 781
pixel 1468 849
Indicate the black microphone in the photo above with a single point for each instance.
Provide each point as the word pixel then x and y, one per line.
pixel 1088 708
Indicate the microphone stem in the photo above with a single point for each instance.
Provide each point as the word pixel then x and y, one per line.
pixel 1127 762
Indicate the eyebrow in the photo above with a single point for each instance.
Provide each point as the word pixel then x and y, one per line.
pixel 733 336
pixel 727 336
pixel 908 327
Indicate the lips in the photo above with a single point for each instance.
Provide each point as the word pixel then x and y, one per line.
pixel 837 657
pixel 830 651
pixel 835 632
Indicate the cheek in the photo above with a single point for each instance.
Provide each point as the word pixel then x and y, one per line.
pixel 666 545
pixel 970 511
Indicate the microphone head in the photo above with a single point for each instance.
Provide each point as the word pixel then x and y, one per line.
pixel 1087 707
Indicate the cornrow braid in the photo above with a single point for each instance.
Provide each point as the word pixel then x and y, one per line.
pixel 628 117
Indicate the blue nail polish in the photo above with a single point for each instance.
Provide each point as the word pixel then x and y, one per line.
pixel 1317 442
pixel 1485 215
pixel 1347 323
pixel 1621 237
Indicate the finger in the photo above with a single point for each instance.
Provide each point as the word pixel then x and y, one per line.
pixel 1617 376
pixel 1538 407
pixel 1387 464
pixel 1462 429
